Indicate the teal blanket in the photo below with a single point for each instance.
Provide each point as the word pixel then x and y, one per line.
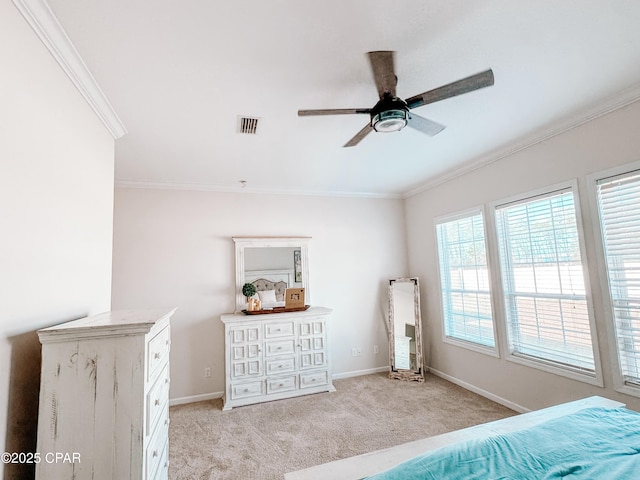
pixel 594 443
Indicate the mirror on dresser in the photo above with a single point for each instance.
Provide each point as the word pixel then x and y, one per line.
pixel 405 330
pixel 279 260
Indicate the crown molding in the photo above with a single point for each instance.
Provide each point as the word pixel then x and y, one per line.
pixel 136 184
pixel 44 23
pixel 623 99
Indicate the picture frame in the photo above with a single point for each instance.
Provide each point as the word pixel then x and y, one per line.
pixel 294 298
pixel 297 266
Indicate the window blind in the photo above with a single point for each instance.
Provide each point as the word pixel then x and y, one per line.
pixel 464 280
pixel 619 209
pixel 544 293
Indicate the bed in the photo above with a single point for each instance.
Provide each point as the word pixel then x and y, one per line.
pixel 592 438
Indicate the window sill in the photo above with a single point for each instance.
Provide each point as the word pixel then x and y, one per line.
pixel 594 378
pixel 476 347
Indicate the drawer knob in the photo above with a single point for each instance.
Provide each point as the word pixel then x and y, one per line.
pixel 279 348
pixel 246 390
pixel 157 402
pixel 156 355
pixel 279 366
pixel 281 385
pixel 155 453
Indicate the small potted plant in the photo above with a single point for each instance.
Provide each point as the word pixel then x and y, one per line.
pixel 249 290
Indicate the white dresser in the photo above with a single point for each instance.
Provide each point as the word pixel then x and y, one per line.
pixel 274 356
pixel 104 397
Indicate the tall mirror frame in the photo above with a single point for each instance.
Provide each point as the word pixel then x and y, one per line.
pixel 242 243
pixel 405 330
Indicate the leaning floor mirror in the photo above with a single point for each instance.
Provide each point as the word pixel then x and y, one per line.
pixel 405 330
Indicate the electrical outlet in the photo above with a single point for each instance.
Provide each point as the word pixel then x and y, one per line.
pixel 376 350
pixel 207 372
pixel 354 352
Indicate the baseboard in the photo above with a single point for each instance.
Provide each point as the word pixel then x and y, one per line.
pixel 480 391
pixel 195 398
pixel 357 373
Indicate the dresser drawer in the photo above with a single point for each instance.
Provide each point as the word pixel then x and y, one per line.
pixel 245 334
pixel 281 384
pixel 158 444
pixel 163 466
pixel 157 399
pixel 245 390
pixel 249 368
pixel 312 379
pixel 280 347
pixel 280 365
pixel 315 326
pixel 312 360
pixel 157 353
pixel 281 329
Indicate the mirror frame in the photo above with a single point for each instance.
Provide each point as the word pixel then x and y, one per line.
pixel 399 373
pixel 260 242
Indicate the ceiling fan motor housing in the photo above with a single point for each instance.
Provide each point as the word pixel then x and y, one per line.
pixel 390 114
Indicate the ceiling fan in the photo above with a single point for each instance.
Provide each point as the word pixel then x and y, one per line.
pixel 391 113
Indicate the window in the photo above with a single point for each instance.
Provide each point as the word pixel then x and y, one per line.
pixel 464 277
pixel 619 208
pixel 545 302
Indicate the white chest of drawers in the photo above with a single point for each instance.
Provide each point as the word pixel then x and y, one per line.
pixel 104 397
pixel 275 356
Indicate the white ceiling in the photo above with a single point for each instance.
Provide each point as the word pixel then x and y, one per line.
pixel 179 74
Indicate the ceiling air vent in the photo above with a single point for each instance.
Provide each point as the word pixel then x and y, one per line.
pixel 248 125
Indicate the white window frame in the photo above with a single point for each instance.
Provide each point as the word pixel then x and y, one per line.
pixel 540 364
pixel 619 383
pixel 477 347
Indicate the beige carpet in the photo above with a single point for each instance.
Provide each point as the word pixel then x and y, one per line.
pixel 366 413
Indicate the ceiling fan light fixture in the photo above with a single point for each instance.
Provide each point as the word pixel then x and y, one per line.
pixel 389 120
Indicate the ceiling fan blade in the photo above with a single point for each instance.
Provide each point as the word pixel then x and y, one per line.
pixel 359 136
pixel 468 84
pixel 383 72
pixel 333 111
pixel 424 125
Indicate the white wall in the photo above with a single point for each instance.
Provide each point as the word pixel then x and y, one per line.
pixel 600 144
pixel 174 248
pixel 56 208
